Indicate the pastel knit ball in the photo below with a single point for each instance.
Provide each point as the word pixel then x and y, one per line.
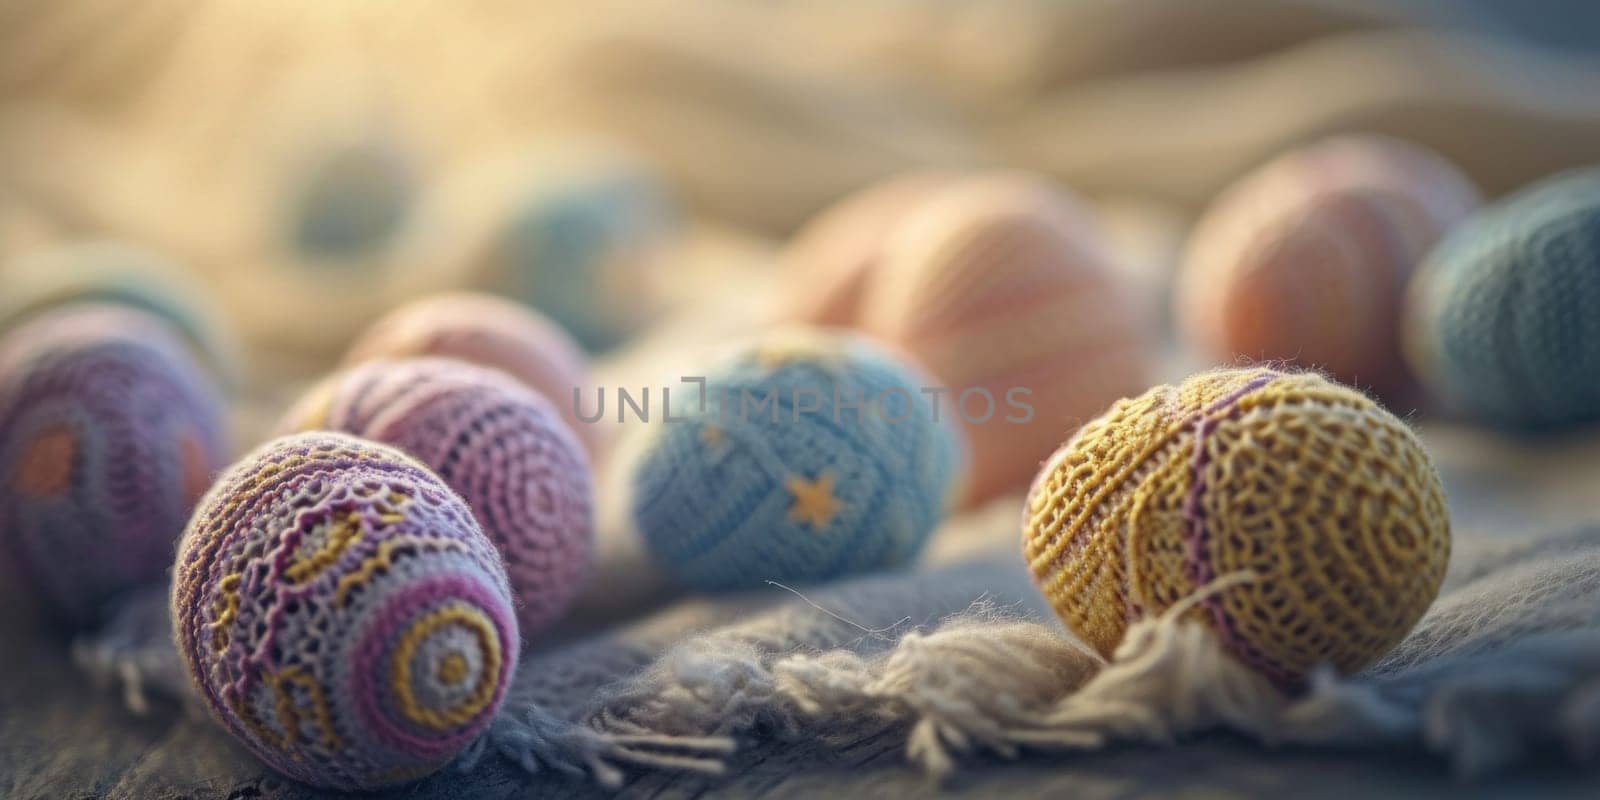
pixel 1502 317
pixel 581 248
pixel 109 432
pixel 341 614
pixel 1004 289
pixel 1328 499
pixel 109 271
pixel 780 476
pixel 1306 258
pixel 503 448
pixel 492 332
pixel 828 262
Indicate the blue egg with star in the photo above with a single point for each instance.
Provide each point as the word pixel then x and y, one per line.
pixel 808 457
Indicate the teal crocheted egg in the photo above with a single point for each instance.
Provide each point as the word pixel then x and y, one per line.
pixel 124 274
pixel 1501 317
pixel 811 457
pixel 579 247
pixel 352 199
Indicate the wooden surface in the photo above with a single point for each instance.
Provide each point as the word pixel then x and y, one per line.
pixel 62 738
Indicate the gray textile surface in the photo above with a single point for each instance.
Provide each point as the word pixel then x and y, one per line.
pixel 1522 549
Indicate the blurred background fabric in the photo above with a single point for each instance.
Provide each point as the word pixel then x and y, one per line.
pixel 174 121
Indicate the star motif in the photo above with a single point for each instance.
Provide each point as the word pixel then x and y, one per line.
pixel 814 503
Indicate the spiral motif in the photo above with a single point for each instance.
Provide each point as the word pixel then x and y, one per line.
pixel 341 613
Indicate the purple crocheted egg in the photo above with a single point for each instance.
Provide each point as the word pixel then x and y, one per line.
pixel 492 332
pixel 109 432
pixel 340 612
pixel 501 446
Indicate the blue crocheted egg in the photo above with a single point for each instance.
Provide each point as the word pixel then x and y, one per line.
pixel 577 247
pixel 109 432
pixel 811 458
pixel 1501 317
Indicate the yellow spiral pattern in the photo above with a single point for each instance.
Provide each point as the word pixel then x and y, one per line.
pixel 488 640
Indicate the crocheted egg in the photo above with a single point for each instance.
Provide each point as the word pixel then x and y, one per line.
pixel 351 198
pixel 1002 286
pixel 492 332
pixel 109 432
pixel 120 273
pixel 341 614
pixel 1328 499
pixel 503 448
pixel 1501 318
pixel 578 242
pixel 811 457
pixel 828 262
pixel 1306 258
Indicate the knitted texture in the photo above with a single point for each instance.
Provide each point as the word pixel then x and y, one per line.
pixel 493 332
pixel 503 448
pixel 776 476
pixel 1003 288
pixel 1306 258
pixel 119 273
pixel 830 259
pixel 1502 316
pixel 580 249
pixel 340 612
pixel 1325 499
pixel 108 434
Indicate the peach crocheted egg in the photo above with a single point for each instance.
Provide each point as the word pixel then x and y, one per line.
pixel 1325 500
pixel 1002 287
pixel 828 261
pixel 492 332
pixel 1306 259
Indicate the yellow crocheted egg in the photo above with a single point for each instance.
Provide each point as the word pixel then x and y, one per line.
pixel 1328 499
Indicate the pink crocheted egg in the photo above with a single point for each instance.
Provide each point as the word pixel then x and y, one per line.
pixel 492 332
pixel 109 432
pixel 828 261
pixel 1306 258
pixel 1003 288
pixel 341 614
pixel 503 448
